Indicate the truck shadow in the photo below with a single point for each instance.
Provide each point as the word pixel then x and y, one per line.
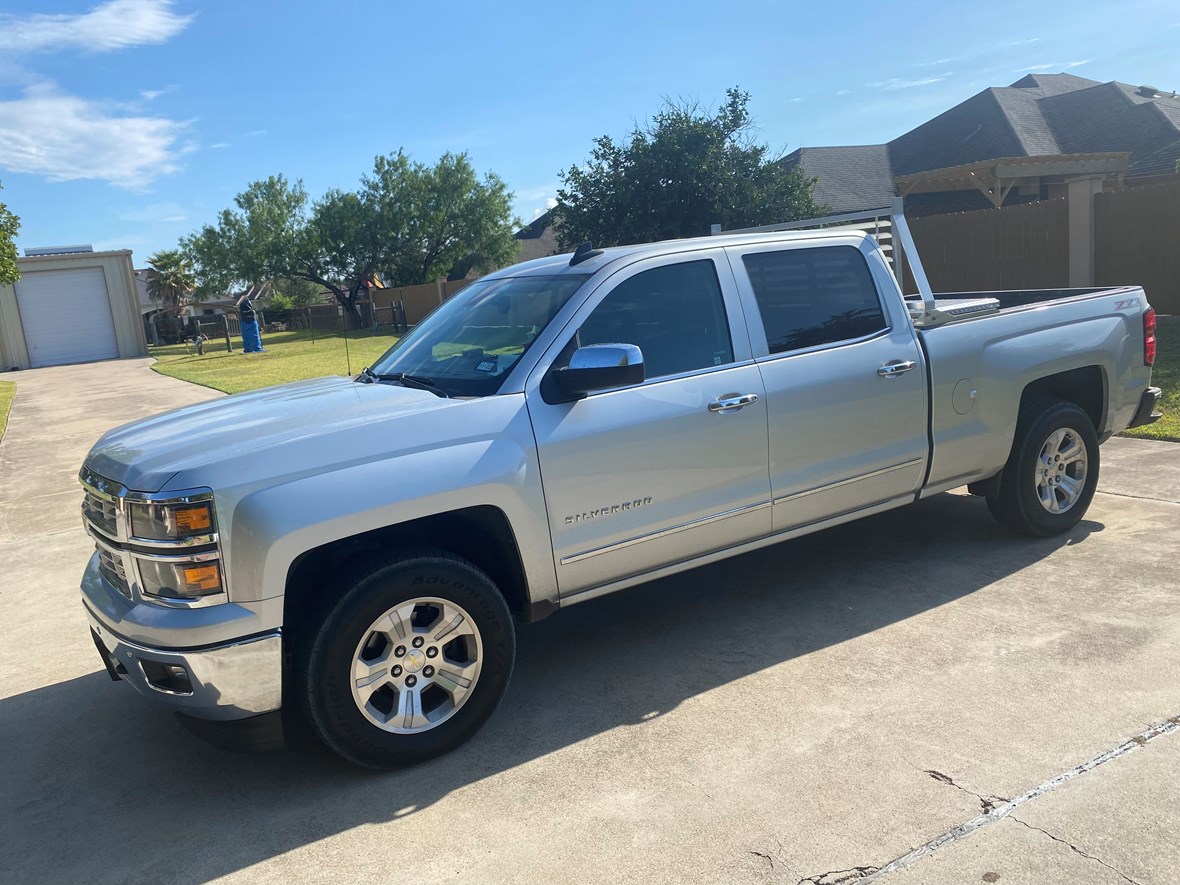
pixel 102 787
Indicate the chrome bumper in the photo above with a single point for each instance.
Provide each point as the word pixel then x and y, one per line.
pixel 227 679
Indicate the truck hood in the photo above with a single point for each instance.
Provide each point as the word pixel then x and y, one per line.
pixel 255 430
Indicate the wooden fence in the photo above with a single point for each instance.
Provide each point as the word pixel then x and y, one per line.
pixel 1017 247
pixel 1137 242
pixel 418 300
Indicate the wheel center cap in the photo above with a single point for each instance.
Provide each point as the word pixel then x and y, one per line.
pixel 414 661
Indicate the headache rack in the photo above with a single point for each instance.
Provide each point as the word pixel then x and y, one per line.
pixel 887 225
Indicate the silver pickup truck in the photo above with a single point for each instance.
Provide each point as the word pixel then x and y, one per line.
pixel 359 549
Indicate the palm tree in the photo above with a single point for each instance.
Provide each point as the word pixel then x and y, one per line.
pixel 170 281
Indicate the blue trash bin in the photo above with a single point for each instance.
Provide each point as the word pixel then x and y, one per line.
pixel 251 338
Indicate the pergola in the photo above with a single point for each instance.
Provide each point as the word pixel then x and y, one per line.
pixel 996 178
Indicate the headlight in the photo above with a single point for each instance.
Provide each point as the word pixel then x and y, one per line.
pixel 171 522
pixel 185 579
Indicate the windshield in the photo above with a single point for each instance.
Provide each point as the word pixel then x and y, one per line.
pixel 468 345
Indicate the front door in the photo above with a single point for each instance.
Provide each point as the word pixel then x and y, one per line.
pixel 647 476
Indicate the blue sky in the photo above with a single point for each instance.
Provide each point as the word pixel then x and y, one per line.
pixel 128 123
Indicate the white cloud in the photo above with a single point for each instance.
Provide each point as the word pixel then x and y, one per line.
pixel 156 213
pixel 844 92
pixel 894 83
pixel 1055 66
pixel 541 210
pixel 153 94
pixel 218 145
pixel 796 99
pixel 109 26
pixel 66 138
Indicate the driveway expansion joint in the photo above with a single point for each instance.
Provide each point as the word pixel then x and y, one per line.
pixel 838 877
pixel 995 813
pixel 1076 850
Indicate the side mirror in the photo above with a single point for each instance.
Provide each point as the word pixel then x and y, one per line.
pixel 600 367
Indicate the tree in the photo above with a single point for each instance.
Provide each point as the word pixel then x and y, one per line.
pixel 170 281
pixel 9 227
pixel 292 294
pixel 685 170
pixel 408 221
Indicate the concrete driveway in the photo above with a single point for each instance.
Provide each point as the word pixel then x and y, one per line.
pixel 918 692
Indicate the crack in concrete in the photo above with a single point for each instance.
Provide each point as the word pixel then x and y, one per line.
pixel 987 804
pixel 993 813
pixel 1075 848
pixel 838 877
pixel 766 857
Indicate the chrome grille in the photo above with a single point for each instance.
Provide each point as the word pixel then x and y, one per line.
pixel 111 567
pixel 101 513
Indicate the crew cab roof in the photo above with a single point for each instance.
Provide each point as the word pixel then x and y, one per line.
pixel 560 264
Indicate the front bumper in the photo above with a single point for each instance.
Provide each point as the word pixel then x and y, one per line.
pixel 223 679
pixel 1146 413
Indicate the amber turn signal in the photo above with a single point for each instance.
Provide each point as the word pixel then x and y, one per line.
pixel 191 520
pixel 202 577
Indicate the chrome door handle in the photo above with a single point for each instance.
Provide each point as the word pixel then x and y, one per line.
pixel 893 368
pixel 731 402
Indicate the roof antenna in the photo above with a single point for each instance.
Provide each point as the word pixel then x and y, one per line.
pixel 584 253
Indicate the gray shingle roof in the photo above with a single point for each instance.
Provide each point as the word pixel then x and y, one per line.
pixel 850 178
pixel 1038 115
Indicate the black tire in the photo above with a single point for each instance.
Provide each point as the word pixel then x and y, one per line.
pixel 324 658
pixel 1018 506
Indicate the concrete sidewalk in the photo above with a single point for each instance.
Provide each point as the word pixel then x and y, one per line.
pixel 811 712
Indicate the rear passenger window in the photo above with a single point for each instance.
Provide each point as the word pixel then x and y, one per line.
pixel 814 296
pixel 675 314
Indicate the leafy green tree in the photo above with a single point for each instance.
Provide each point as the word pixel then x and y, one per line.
pixel 292 294
pixel 9 227
pixel 170 281
pixel 685 170
pixel 441 217
pixel 408 221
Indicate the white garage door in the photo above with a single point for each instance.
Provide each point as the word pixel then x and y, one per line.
pixel 66 316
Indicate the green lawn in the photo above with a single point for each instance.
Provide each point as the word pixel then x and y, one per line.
pixel 1166 376
pixel 289 356
pixel 7 392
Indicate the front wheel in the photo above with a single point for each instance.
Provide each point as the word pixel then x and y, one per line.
pixel 1052 473
pixel 408 662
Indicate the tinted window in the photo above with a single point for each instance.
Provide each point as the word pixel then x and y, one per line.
pixel 814 296
pixel 675 314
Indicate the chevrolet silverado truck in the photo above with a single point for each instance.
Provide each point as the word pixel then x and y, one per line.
pixel 357 551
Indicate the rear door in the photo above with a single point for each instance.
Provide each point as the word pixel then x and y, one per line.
pixel 642 477
pixel 844 375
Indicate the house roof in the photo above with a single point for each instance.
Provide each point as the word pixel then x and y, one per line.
pixel 1040 115
pixel 850 178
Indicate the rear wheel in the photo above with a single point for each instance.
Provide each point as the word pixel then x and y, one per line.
pixel 1052 472
pixel 408 662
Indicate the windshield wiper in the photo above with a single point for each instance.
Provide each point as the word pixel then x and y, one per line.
pixel 407 380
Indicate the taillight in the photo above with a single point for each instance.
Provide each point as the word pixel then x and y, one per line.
pixel 1149 344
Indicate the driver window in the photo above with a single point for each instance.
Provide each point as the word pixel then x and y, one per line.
pixel 675 314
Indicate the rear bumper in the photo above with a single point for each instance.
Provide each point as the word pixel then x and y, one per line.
pixel 1146 413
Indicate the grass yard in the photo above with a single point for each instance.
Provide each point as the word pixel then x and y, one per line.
pixel 1166 376
pixel 289 356
pixel 7 392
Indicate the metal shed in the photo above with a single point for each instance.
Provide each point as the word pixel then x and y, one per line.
pixel 70 307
